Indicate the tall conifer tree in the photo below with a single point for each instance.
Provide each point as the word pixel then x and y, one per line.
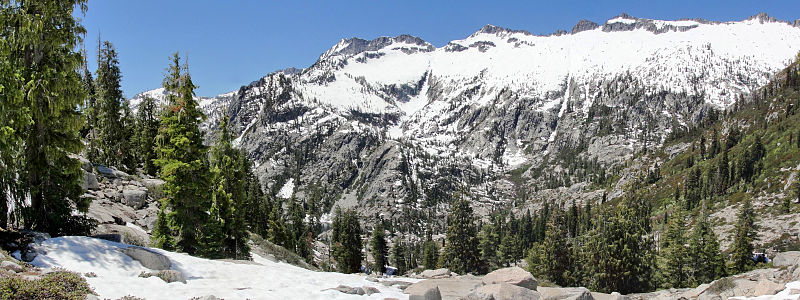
pixel 39 116
pixel 183 161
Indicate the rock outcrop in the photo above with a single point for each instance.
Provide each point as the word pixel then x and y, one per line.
pixel 503 291
pixel 513 275
pixel 148 258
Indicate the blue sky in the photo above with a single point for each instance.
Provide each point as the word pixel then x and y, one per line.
pixel 231 43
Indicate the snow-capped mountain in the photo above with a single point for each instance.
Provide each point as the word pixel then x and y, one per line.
pixel 396 123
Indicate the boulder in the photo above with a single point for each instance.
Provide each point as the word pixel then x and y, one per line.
pixel 11 266
pixel 148 258
pixel 429 293
pixel 786 259
pixel 154 187
pixel 371 290
pixel 89 181
pixel 612 296
pixel 122 234
pixel 513 275
pixel 449 288
pixel 433 274
pixel 768 287
pixel 134 198
pixel 503 291
pixel 575 293
pixel 171 276
pixel 349 290
pixel 91 297
pixel 105 171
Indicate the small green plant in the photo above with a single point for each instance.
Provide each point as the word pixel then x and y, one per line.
pixel 721 285
pixel 55 285
pixel 90 275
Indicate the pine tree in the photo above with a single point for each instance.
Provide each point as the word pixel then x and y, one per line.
pixel 744 236
pixel 556 264
pixel 41 90
pixel 183 161
pixel 489 244
pixel 674 261
pixel 109 104
pixel 347 242
pixel 277 229
pixel 704 248
pixel 461 252
pixel 430 255
pixel 128 146
pixel 228 199
pixel 146 131
pixel 379 248
pixel 398 256
pixel 619 251
pixel 162 233
pixel 300 231
pixel 257 204
pixel 90 112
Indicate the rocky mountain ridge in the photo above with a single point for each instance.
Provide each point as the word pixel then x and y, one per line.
pixel 396 125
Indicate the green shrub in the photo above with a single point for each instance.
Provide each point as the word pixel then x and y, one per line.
pixel 721 285
pixel 55 285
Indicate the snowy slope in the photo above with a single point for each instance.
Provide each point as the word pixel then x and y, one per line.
pixel 117 275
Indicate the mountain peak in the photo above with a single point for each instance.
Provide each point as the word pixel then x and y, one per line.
pixel 584 25
pixel 492 29
pixel 354 46
pixel 763 17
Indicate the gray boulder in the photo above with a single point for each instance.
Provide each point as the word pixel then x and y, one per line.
pixel 429 293
pixel 89 181
pixel 576 293
pixel 786 259
pixel 154 187
pixel 105 171
pixel 170 276
pixel 433 274
pixel 122 234
pixel 449 288
pixel 149 259
pixel 11 266
pixel 513 275
pixel 503 291
pixel 134 198
pixel 91 297
pixel 371 290
pixel 612 296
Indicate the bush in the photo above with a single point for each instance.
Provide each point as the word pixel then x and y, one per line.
pixel 721 285
pixel 55 285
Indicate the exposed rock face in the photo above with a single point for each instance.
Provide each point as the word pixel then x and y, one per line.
pixel 134 198
pixel 148 258
pixel 89 181
pixel 448 288
pixel 503 291
pixel 786 259
pixel 513 275
pixel 427 293
pixel 433 274
pixel 577 293
pixel 11 266
pixel 584 25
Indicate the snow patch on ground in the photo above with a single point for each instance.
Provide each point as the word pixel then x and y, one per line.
pixel 287 190
pixel 117 275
